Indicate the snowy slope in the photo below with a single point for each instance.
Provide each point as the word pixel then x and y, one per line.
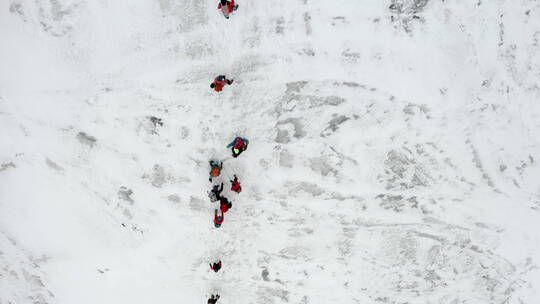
pixel 394 149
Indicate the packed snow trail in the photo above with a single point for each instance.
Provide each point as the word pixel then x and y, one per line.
pixel 392 161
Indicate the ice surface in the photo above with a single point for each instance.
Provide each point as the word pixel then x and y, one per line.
pixel 393 158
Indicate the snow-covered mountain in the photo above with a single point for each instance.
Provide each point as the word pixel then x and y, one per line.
pixel 394 151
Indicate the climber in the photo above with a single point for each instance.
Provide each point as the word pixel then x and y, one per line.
pixel 224 205
pixel 213 299
pixel 227 7
pixel 216 266
pixel 218 220
pixel 215 193
pixel 215 169
pixel 220 82
pixel 239 145
pixel 235 185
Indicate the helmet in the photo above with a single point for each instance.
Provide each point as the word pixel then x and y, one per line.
pixel 212 85
pixel 223 2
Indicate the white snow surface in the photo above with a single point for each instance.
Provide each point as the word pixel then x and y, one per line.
pixel 394 151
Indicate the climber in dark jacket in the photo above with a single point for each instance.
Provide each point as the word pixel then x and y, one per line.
pixel 216 266
pixel 215 193
pixel 213 299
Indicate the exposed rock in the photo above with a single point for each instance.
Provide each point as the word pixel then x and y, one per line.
pixel 86 139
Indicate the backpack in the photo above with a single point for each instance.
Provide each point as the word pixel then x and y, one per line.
pixel 215 171
pixel 213 197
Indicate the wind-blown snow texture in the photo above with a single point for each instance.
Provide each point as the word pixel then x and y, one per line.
pixel 394 156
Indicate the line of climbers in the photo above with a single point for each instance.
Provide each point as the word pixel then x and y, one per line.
pixel 237 146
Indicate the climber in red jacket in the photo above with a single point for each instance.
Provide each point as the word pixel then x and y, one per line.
pixel 224 204
pixel 227 7
pixel 220 82
pixel 235 185
pixel 218 220
pixel 238 145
